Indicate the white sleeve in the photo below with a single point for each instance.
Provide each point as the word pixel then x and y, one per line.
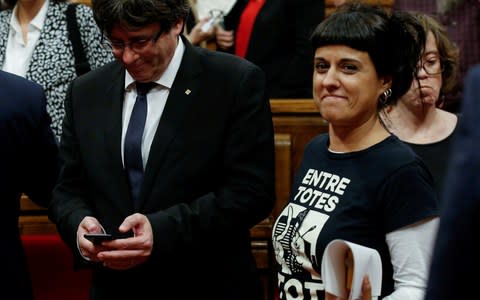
pixel 411 250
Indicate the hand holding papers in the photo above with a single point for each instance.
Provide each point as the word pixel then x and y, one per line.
pixel 216 17
pixel 205 7
pixel 345 264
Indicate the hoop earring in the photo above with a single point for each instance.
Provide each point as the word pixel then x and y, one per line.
pixel 386 94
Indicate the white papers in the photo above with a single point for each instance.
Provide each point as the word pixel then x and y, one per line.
pixel 204 7
pixel 366 261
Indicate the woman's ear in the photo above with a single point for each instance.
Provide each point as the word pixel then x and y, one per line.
pixel 387 82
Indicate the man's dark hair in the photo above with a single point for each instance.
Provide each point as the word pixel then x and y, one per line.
pixel 135 14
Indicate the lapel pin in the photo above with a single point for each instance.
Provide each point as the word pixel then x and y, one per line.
pixel 187 92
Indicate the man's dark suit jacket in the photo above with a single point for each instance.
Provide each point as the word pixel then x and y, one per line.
pixel 29 164
pixel 456 260
pixel 280 43
pixel 209 178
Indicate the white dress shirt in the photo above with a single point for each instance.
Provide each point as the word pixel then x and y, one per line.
pixel 19 52
pixel 156 100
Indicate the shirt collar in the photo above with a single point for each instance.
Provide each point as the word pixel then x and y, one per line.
pixel 37 22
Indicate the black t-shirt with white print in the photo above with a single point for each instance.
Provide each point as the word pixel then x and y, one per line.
pixel 359 197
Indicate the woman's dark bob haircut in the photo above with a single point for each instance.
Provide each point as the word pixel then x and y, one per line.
pixel 394 42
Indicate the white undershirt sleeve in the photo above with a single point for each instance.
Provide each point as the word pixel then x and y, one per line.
pixel 411 250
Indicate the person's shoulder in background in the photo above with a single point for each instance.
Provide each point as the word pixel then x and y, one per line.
pixel 16 86
pixel 471 100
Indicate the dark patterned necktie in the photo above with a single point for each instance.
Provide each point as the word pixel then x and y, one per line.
pixel 133 139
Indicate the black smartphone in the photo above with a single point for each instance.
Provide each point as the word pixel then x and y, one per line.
pixel 98 238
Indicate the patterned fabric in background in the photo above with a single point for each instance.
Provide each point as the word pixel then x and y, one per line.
pixel 52 64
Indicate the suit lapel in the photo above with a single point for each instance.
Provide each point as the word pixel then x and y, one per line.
pixel 182 93
pixel 113 128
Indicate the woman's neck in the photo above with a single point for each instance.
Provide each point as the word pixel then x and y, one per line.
pixel 343 139
pixel 419 125
pixel 27 10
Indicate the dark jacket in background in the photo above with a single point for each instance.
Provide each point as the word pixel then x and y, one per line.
pixel 455 253
pixel 29 164
pixel 280 43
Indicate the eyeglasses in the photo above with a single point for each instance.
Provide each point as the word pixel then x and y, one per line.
pixel 432 66
pixel 137 45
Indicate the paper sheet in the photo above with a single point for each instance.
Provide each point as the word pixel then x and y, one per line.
pixel 366 261
pixel 205 6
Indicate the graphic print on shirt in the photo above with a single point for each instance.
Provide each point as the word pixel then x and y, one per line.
pixel 297 230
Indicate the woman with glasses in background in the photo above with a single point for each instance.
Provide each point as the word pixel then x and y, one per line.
pixel 417 118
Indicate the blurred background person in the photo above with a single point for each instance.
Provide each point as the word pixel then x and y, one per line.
pixel 455 257
pixel 197 36
pixel 274 34
pixel 416 118
pixel 461 18
pixel 29 164
pixel 34 43
pixel 194 30
pixel 204 19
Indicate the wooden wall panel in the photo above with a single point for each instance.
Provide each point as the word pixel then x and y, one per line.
pixel 299 118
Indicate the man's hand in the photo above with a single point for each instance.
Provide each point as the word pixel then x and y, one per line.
pixel 86 248
pixel 224 38
pixel 122 254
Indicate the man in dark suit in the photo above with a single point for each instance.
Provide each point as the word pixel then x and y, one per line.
pixel 29 164
pixel 455 262
pixel 200 176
